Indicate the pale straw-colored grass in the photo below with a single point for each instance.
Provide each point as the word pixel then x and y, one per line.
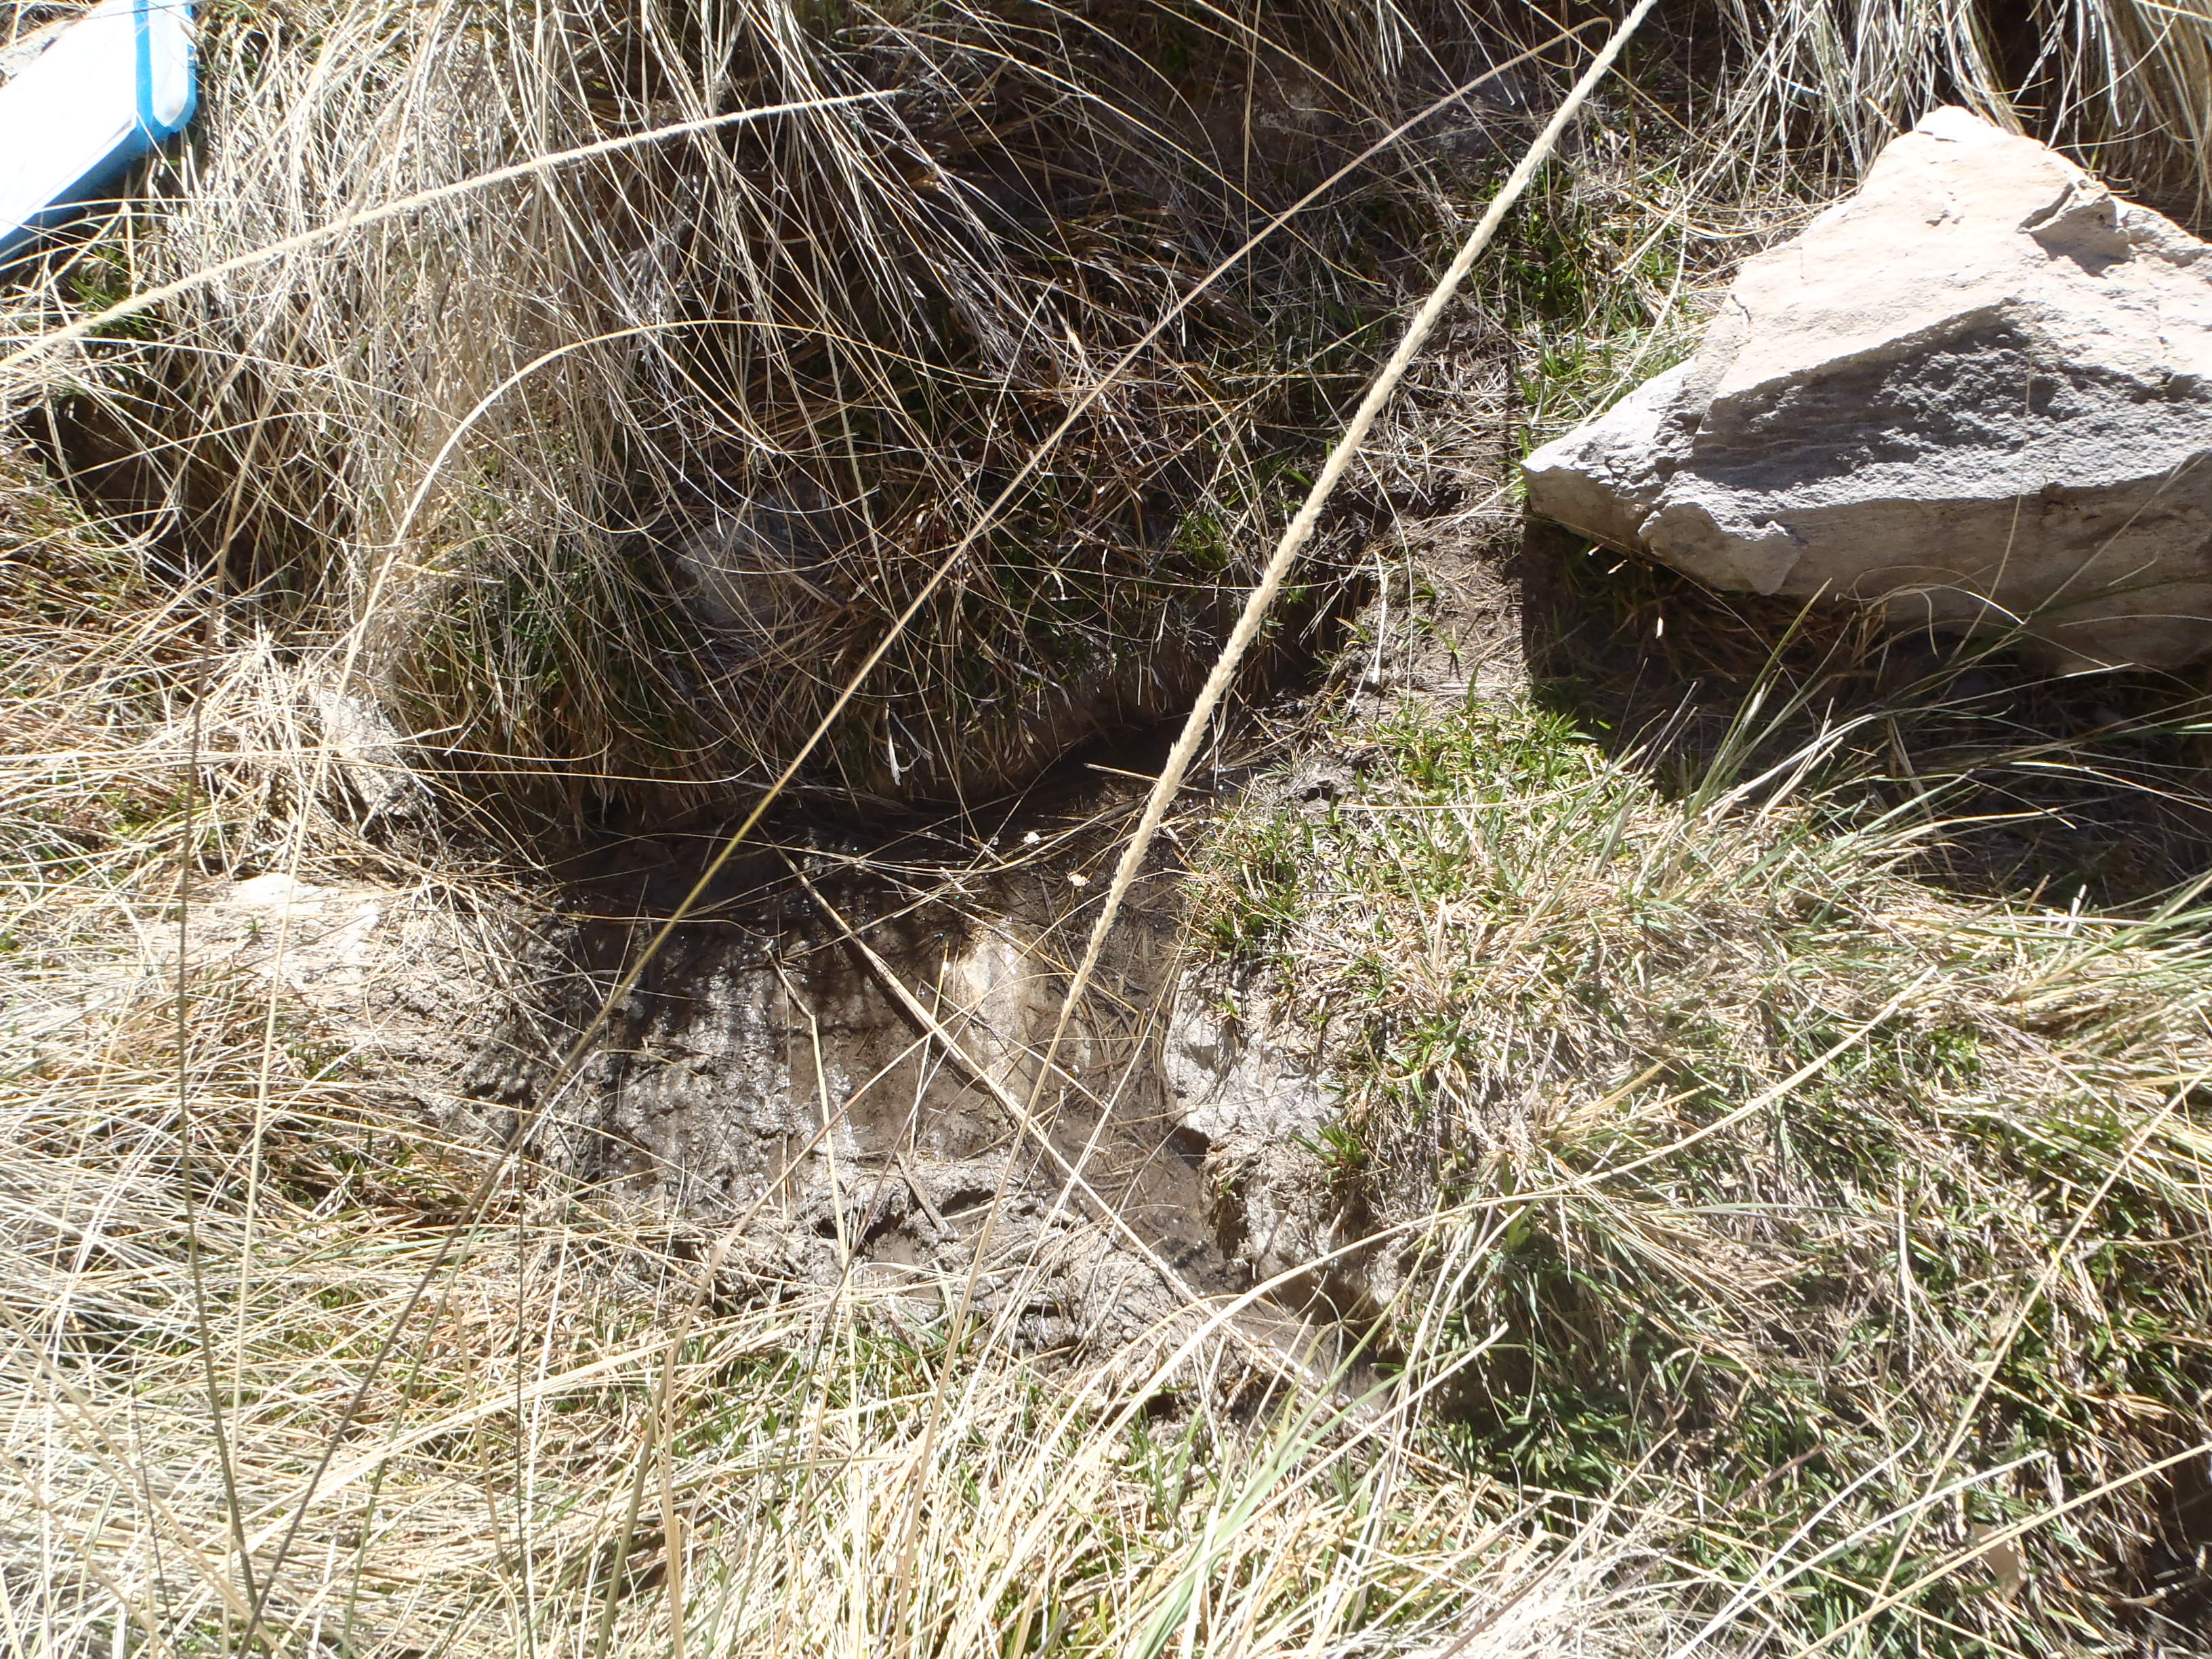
pixel 287 1370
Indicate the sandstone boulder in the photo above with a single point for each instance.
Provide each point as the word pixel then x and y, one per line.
pixel 1979 391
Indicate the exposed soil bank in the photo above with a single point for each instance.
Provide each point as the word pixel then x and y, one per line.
pixel 763 1065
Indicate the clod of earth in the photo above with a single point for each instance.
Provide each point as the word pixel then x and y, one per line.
pixel 1976 392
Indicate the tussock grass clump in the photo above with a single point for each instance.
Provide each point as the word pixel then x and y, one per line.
pixel 1863 1223
pixel 2119 82
pixel 606 476
pixel 603 478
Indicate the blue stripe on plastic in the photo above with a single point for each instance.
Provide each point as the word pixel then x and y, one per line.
pixel 142 30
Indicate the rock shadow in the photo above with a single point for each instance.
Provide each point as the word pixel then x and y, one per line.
pixel 2095 785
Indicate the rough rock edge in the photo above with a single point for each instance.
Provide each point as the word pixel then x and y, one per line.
pixel 1847 426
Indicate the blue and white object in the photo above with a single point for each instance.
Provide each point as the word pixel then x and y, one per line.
pixel 111 87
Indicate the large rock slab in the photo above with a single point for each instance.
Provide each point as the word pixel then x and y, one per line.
pixel 1976 392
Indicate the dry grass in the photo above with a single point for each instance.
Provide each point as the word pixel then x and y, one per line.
pixel 1899 1246
pixel 795 1499
pixel 610 472
pixel 1658 1365
pixel 601 478
pixel 2121 83
pixel 283 1373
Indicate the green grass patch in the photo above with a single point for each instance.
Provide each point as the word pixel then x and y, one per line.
pixel 1780 1186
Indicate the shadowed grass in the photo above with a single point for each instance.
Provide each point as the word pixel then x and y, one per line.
pixel 613 471
pixel 2121 83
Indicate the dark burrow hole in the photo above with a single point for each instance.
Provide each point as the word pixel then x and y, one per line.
pixel 920 878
